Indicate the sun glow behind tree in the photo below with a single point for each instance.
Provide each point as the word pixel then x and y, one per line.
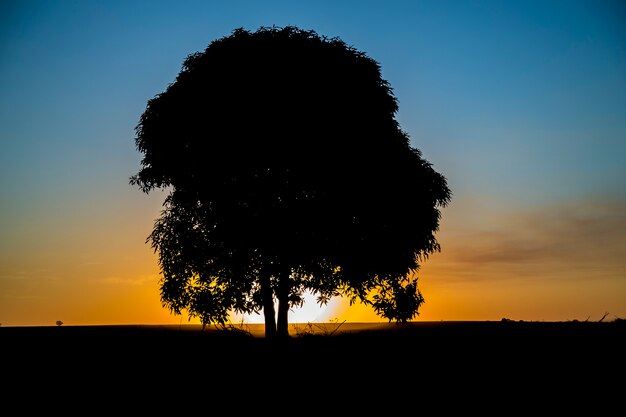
pixel 310 312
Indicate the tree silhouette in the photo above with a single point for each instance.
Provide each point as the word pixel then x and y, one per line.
pixel 287 172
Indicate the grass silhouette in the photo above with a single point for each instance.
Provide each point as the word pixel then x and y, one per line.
pixel 521 363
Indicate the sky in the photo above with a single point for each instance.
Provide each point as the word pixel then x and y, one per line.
pixel 521 105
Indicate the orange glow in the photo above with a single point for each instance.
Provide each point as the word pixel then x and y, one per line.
pixel 544 266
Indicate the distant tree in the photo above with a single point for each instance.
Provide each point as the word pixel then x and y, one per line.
pixel 287 172
pixel 59 323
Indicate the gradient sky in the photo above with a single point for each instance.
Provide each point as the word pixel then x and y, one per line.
pixel 520 104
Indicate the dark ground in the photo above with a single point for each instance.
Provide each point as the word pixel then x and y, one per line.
pixel 555 366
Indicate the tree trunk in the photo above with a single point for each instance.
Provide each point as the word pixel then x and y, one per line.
pixel 283 305
pixel 268 307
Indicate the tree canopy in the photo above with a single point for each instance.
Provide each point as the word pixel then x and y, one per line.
pixel 287 172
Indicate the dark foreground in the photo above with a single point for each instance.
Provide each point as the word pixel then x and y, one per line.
pixel 561 365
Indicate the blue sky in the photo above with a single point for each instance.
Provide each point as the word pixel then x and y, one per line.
pixel 520 104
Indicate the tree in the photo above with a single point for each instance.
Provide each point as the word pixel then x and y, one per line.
pixel 287 172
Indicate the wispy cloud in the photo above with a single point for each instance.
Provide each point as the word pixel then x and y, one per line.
pixel 25 275
pixel 575 240
pixel 130 281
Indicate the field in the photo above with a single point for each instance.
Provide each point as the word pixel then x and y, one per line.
pixel 556 364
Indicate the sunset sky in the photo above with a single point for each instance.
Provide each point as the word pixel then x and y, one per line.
pixel 521 105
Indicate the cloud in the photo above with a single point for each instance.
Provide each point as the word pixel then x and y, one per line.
pixel 24 275
pixel 131 281
pixel 576 239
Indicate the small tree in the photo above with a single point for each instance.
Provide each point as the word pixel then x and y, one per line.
pixel 59 323
pixel 287 172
